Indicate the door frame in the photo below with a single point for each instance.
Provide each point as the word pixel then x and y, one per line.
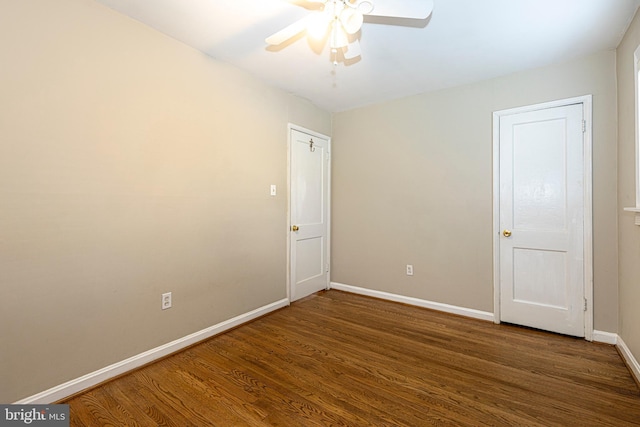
pixel 290 127
pixel 586 102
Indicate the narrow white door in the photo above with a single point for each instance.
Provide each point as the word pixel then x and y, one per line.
pixel 309 199
pixel 542 219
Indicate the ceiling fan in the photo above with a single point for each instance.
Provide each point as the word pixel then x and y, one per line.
pixel 339 21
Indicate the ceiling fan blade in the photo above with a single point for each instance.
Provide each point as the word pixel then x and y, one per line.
pixel 353 50
pixel 412 9
pixel 289 31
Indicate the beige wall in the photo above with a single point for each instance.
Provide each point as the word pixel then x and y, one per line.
pixel 130 165
pixel 628 233
pixel 412 184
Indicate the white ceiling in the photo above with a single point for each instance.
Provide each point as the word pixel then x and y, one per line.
pixel 463 41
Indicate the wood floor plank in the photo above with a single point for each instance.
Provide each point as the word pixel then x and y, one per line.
pixel 332 397
pixel 450 362
pixel 357 368
pixel 440 385
pixel 345 360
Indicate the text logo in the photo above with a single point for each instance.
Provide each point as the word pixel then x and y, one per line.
pixel 34 415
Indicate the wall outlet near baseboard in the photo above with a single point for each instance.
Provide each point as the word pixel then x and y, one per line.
pixel 166 300
pixel 409 270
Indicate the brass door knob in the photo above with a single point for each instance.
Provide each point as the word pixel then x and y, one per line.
pixel 295 228
pixel 506 233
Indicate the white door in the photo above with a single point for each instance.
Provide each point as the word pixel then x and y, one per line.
pixel 542 205
pixel 309 263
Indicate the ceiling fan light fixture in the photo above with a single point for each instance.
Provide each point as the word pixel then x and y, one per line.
pixel 351 20
pixel 339 37
pixel 318 26
pixel 365 7
pixel 338 22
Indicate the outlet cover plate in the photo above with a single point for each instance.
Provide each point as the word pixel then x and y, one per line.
pixel 166 300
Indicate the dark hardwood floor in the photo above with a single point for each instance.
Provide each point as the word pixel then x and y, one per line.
pixel 340 359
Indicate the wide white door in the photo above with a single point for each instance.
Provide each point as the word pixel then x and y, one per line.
pixel 542 219
pixel 309 213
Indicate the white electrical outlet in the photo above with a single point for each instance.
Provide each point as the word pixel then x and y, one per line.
pixel 409 270
pixel 166 300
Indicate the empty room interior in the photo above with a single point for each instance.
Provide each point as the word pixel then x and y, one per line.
pixel 168 177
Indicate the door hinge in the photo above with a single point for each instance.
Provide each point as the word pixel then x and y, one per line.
pixel 584 126
pixel 585 304
pixel 326 267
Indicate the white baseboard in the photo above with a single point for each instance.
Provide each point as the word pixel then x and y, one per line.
pixel 605 337
pixel 74 386
pixel 468 312
pixel 632 362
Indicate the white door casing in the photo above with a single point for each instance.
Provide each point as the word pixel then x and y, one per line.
pixel 309 166
pixel 542 217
